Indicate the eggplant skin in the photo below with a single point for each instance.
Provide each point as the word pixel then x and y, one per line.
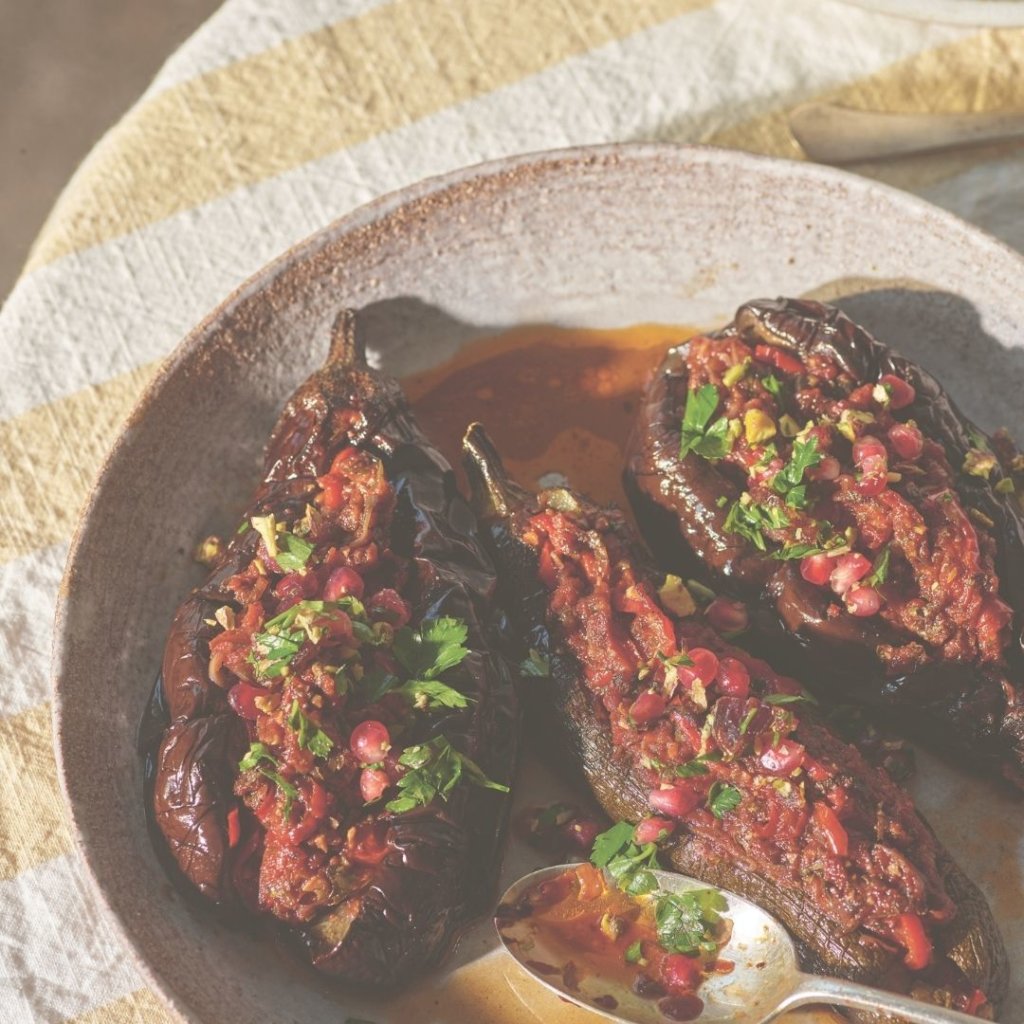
pixel 962 709
pixel 397 918
pixel 971 940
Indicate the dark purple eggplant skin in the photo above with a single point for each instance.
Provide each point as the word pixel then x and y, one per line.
pixel 971 940
pixel 440 868
pixel 965 711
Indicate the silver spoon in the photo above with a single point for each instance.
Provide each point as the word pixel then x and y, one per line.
pixel 765 982
pixel 832 134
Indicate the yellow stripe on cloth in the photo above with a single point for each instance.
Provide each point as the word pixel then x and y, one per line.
pixel 53 455
pixel 319 93
pixel 32 817
pixel 140 1007
pixel 979 73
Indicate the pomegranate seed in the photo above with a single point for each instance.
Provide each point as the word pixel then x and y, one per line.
pixel 582 832
pixel 681 973
pixel 343 582
pixel 901 394
pixel 872 485
pixel 372 783
pixel 784 758
pixel 848 570
pixel 705 664
pixel 653 830
pixel 733 677
pixel 389 605
pixel 293 588
pixel 827 469
pixel 907 441
pixel 370 741
pixel 727 616
pixel 674 801
pixel 863 601
pixel 867 448
pixel 242 698
pixel 816 569
pixel 647 707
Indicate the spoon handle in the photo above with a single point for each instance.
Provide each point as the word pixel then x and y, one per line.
pixel 814 989
pixel 833 134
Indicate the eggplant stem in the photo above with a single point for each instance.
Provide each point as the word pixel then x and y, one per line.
pixel 491 487
pixel 347 344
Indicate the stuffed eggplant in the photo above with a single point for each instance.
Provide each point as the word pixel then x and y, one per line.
pixel 795 462
pixel 681 732
pixel 340 733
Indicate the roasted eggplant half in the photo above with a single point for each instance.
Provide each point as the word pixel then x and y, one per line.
pixel 341 734
pixel 731 759
pixel 794 462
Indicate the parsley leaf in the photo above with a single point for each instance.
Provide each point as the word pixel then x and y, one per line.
pixel 536 664
pixel 698 766
pixel 610 843
pixel 292 552
pixel 879 569
pixel 435 647
pixel 723 798
pixel 430 693
pixel 272 653
pixel 634 953
pixel 772 385
pixel 711 442
pixel 788 482
pixel 685 920
pixel 259 752
pixel 749 520
pixel 434 769
pixel 310 737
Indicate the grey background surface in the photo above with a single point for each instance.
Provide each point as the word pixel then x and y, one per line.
pixel 68 70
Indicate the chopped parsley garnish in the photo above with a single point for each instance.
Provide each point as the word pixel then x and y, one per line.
pixel 749 520
pixel 310 737
pixel 435 647
pixel 698 766
pixel 788 482
pixel 536 664
pixel 290 552
pixel 634 952
pixel 772 385
pixel 434 769
pixel 879 569
pixel 789 698
pixel 723 798
pixel 630 866
pixel 257 753
pixel 431 693
pixel 747 719
pixel 686 920
pixel 272 652
pixel 711 442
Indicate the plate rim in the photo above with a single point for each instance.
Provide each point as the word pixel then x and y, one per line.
pixel 377 210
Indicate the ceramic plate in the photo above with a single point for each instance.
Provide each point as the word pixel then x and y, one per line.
pixel 600 237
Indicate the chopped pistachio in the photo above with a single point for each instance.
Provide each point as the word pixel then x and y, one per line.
pixel 894 478
pixel 788 425
pixel 208 551
pixel 561 500
pixel 979 463
pixel 850 420
pixel 736 373
pixel 880 393
pixel 675 597
pixel 612 925
pixel 266 527
pixel 1005 486
pixel 758 426
pixel 735 429
pixel 225 616
pixel 979 517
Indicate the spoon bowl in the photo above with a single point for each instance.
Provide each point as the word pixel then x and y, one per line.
pixel 764 982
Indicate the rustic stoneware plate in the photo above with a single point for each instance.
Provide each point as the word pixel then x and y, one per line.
pixel 602 237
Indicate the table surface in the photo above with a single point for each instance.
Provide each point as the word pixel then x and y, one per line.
pixel 276 118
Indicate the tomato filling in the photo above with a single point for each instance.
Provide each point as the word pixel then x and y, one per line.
pixel 730 753
pixel 318 656
pixel 835 474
